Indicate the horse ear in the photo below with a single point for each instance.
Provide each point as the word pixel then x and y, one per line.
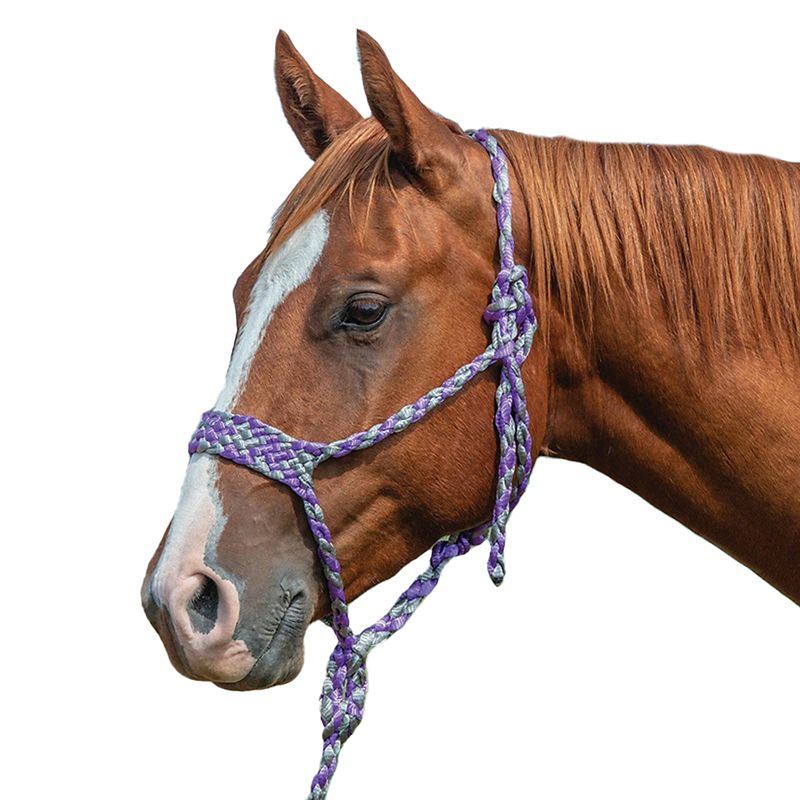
pixel 423 141
pixel 316 112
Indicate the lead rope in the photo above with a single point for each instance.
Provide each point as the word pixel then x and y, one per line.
pixel 513 322
pixel 276 455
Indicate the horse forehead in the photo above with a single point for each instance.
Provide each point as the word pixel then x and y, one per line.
pixel 384 229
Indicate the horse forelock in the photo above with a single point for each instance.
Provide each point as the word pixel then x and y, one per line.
pixel 359 158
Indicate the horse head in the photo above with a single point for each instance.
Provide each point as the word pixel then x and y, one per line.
pixel 369 292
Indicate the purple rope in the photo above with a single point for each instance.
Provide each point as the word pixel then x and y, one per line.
pixel 276 455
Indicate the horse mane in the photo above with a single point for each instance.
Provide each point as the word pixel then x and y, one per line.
pixel 712 237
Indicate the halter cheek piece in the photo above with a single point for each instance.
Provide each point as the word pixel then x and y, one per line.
pixel 276 455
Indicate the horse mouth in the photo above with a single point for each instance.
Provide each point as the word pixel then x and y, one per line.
pixel 282 657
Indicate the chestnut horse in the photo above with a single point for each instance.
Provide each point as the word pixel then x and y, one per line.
pixel 667 284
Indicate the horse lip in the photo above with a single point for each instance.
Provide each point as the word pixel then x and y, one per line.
pixel 286 665
pixel 293 603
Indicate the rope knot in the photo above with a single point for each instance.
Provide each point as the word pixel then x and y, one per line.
pixel 510 313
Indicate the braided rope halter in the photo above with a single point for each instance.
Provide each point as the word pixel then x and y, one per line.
pixel 276 455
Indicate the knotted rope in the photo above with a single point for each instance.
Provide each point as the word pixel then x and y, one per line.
pixel 276 455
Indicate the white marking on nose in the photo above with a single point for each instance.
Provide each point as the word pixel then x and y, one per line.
pixel 198 515
pixel 199 518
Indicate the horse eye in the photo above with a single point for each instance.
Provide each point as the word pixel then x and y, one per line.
pixel 364 313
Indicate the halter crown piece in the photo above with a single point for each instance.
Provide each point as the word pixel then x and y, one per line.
pixel 276 455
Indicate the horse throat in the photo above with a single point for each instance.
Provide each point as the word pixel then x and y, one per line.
pixel 712 439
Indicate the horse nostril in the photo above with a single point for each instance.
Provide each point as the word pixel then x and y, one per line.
pixel 204 606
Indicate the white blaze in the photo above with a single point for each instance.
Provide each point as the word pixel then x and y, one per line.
pixel 286 269
pixel 199 516
pixel 199 512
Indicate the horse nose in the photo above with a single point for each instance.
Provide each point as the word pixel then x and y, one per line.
pixel 203 607
pixel 201 612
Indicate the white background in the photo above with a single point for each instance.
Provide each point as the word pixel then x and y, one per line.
pixel 143 152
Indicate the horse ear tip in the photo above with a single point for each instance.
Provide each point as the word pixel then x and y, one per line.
pixel 371 56
pixel 282 41
pixel 366 42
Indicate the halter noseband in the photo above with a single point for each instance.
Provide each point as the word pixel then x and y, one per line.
pixel 276 455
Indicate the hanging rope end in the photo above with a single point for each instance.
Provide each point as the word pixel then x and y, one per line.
pixel 498 572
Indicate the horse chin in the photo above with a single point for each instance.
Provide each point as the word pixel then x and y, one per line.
pixel 282 658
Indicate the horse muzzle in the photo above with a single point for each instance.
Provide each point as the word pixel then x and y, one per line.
pixel 209 637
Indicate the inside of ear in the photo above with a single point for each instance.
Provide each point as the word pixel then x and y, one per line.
pixel 301 107
pixel 316 112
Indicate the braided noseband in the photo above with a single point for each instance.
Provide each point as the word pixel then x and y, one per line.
pixel 276 455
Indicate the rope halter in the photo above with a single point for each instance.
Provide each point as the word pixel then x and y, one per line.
pixel 276 455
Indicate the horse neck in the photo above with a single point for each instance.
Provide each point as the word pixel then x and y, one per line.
pixel 710 438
